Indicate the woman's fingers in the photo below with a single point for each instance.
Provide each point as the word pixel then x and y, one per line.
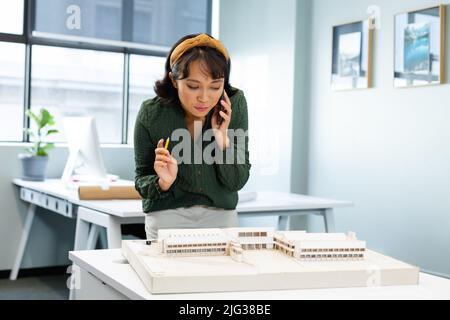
pixel 227 107
pixel 226 103
pixel 224 116
pixel 160 157
pixel 160 164
pixel 160 148
pixel 227 99
pixel 162 151
pixel 163 155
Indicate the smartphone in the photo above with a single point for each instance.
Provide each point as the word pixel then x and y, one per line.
pixel 220 108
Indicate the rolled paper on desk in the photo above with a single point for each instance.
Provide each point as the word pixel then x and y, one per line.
pixel 113 192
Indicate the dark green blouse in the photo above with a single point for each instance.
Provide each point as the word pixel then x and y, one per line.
pixel 214 185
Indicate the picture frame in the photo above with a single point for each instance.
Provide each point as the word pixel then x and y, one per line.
pixel 419 47
pixel 352 56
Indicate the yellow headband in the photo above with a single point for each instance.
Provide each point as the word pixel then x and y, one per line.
pixel 202 40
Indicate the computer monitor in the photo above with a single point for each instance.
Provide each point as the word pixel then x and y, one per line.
pixel 85 162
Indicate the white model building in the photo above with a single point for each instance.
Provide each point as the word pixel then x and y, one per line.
pixel 320 246
pixel 192 242
pixel 235 241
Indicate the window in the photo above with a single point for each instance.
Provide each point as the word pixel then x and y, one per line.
pixel 144 71
pixel 150 22
pixel 108 20
pixel 73 82
pixel 12 65
pixel 162 22
pixel 99 19
pixel 11 16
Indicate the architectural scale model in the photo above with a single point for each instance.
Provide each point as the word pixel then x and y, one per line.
pixel 246 259
pixel 235 241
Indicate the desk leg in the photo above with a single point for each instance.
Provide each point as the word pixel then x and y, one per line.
pixel 114 233
pixel 93 237
pixel 86 218
pixel 283 223
pixel 23 241
pixel 328 218
pixel 103 239
pixel 81 234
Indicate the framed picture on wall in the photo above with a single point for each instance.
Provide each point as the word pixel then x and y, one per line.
pixel 352 56
pixel 420 47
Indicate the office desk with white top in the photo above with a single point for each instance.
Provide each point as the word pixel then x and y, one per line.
pixel 52 195
pixel 106 274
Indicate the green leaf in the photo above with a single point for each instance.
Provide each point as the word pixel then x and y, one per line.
pixel 51 121
pixel 42 153
pixel 45 118
pixel 47 146
pixel 52 132
pixel 44 148
pixel 31 115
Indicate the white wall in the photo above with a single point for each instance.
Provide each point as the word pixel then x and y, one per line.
pixel 385 149
pixel 300 117
pixel 260 37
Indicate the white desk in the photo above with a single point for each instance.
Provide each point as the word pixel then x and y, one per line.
pixel 51 194
pixel 105 274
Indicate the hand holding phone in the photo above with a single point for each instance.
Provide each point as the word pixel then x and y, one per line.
pixel 220 108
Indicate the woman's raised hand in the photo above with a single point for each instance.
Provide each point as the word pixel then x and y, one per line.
pixel 166 167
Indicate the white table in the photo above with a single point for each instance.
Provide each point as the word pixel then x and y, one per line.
pixel 52 195
pixel 105 274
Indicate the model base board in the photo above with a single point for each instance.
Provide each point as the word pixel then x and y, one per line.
pixel 261 270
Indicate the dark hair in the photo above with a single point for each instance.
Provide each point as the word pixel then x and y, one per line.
pixel 211 59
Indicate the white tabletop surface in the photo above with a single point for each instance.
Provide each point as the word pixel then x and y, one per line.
pixel 264 202
pixel 112 268
pixel 54 187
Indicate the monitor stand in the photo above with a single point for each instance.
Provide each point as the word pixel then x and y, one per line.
pixel 70 176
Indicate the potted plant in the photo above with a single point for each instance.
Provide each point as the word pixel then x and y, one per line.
pixel 34 162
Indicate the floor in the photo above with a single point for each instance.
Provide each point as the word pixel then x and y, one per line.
pixel 35 288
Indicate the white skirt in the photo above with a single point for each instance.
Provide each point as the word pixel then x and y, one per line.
pixel 195 217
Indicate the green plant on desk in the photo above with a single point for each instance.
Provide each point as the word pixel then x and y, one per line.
pixel 34 162
pixel 44 120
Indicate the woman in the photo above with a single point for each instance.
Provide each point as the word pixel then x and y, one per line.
pixel 181 193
